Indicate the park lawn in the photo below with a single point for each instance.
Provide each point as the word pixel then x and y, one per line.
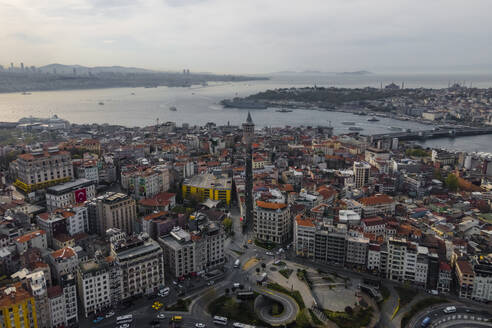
pixel 286 272
pixel 235 310
pixel 265 245
pixel 181 305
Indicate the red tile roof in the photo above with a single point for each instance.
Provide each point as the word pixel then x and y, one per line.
pixel 376 200
pixel 29 236
pixel 271 206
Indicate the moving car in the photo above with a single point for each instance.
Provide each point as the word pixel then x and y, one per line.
pixel 450 309
pixel 161 316
pixel 199 325
pixel 125 325
pixel 98 320
pixel 425 322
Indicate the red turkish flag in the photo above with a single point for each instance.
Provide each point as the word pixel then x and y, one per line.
pixel 80 195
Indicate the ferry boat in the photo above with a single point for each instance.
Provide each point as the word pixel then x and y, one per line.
pixel 355 128
pixel 283 110
pixel 373 119
pixel 101 103
pixel 173 109
pixel 395 128
pixel 348 123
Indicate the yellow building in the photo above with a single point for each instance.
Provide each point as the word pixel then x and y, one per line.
pixel 208 186
pixel 17 307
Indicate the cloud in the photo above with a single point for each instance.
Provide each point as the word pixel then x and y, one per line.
pixel 247 36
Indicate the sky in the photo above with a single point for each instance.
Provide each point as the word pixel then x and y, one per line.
pixel 250 36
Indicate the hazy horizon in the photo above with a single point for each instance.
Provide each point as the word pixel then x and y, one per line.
pixel 251 37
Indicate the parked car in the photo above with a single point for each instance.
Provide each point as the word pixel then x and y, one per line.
pixel 199 325
pixel 98 320
pixel 161 316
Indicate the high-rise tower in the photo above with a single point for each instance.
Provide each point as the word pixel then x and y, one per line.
pixel 248 130
pixel 248 135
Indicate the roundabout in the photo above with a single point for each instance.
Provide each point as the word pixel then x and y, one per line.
pixel 435 317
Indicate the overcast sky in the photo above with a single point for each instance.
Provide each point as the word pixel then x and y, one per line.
pixel 249 36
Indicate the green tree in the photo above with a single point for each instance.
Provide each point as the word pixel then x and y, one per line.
pixel 227 222
pixel 452 182
pixel 230 306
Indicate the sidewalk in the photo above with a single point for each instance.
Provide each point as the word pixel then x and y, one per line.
pixel 293 283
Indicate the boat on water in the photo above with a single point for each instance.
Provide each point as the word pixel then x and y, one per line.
pixel 395 128
pixel 243 104
pixel 373 119
pixel 361 113
pixel 355 128
pixel 101 103
pixel 283 110
pixel 173 109
pixel 348 123
pixel 25 93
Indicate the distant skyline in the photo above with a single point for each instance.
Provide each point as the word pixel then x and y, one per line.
pixel 250 37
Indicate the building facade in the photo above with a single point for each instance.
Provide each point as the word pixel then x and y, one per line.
pixel 41 168
pixel 70 193
pixel 272 222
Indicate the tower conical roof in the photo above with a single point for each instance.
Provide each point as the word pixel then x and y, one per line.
pixel 249 119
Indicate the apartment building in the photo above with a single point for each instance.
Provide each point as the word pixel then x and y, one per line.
pixel 64 261
pixel 374 225
pixel 17 307
pixel 31 239
pixel 93 285
pixel 188 253
pixel 304 236
pixel 482 283
pixel 38 287
pixel 465 278
pixel 112 210
pixel 70 193
pixel 402 260
pixel 272 222
pixel 445 278
pixel 208 186
pixel 145 183
pixel 356 249
pixel 374 257
pixel 329 244
pixel 57 308
pixel 362 172
pixel 142 265
pixel 41 169
pixel 68 283
pixel 377 205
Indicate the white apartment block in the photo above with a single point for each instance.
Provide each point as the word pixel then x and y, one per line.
pixel 374 257
pixel 70 193
pixel 57 308
pixel 64 261
pixel 304 237
pixel 69 286
pixel 77 219
pixel 93 282
pixel 402 260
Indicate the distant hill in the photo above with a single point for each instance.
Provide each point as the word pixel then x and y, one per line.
pixel 68 69
pixel 355 73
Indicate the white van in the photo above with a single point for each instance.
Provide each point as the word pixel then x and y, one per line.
pixel 450 309
pixel 236 263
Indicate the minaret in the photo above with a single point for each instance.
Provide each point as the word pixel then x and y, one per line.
pixel 248 135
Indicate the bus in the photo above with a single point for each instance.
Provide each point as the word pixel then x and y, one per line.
pixel 124 319
pixel 237 263
pixel 242 325
pixel 177 318
pixel 220 320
